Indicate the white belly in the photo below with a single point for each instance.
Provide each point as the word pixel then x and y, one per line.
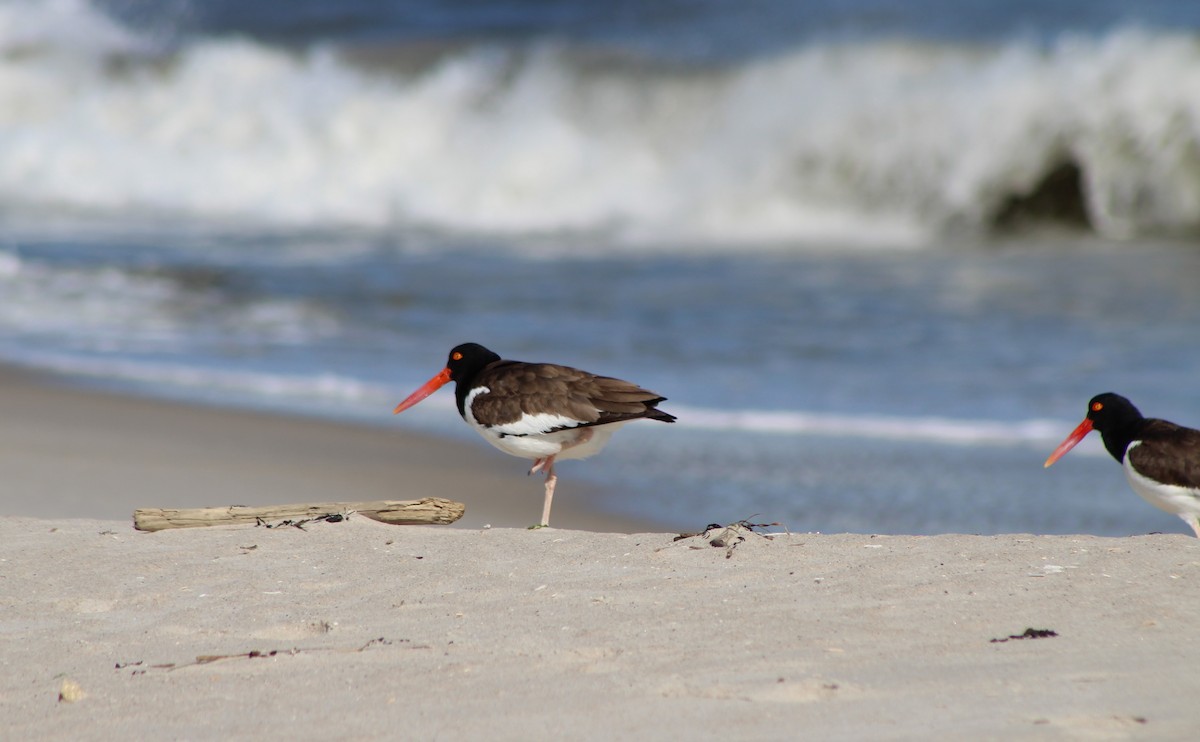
pixel 562 444
pixel 521 438
pixel 1169 497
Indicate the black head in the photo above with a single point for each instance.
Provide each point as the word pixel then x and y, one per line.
pixel 1112 413
pixel 468 359
pixel 464 362
pixel 1117 421
pixel 1114 416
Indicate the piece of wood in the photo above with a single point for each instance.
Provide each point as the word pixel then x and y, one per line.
pixel 394 512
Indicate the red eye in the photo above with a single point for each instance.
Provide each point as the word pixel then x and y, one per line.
pixel 456 356
pixel 1096 407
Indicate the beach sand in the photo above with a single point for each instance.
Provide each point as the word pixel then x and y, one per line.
pixel 359 630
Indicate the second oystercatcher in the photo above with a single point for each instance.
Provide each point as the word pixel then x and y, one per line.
pixel 539 411
pixel 1161 459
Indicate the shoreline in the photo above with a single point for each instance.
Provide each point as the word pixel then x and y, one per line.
pixel 69 451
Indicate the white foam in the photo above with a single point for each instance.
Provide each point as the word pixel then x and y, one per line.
pixel 350 396
pixel 922 429
pixel 874 142
pixel 106 309
pixel 209 383
pixel 65 26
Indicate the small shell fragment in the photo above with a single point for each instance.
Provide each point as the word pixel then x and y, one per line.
pixel 70 691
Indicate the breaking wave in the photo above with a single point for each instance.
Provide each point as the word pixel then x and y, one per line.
pixel 870 141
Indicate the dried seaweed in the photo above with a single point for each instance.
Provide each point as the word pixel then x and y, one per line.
pixel 1027 634
pixel 729 536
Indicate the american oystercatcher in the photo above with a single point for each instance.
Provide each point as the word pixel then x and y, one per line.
pixel 539 411
pixel 1161 459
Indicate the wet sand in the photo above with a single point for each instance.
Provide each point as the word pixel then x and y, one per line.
pixel 78 453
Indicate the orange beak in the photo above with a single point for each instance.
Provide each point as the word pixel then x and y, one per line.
pixel 1072 440
pixel 426 389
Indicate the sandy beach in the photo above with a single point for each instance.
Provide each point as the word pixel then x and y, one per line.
pixel 590 630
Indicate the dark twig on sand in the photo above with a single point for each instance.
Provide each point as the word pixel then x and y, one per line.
pixel 1027 634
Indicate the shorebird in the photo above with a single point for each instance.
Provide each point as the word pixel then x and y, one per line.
pixel 1161 459
pixel 539 411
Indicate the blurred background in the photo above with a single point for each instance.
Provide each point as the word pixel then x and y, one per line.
pixel 878 254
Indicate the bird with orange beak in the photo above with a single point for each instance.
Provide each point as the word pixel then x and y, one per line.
pixel 539 411
pixel 1161 459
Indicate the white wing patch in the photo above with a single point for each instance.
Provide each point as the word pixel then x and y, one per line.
pixel 542 422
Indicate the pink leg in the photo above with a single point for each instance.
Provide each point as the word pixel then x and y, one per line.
pixel 547 463
pixel 551 480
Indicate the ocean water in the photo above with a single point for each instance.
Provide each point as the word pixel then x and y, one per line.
pixel 877 254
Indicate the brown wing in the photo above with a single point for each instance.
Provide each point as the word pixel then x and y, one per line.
pixel 545 388
pixel 1169 453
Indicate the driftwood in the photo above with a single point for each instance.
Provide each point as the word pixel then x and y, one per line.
pixel 394 512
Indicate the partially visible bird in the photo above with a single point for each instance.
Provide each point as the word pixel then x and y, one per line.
pixel 539 411
pixel 1161 459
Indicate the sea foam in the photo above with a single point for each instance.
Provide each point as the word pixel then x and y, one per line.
pixel 921 429
pixel 874 141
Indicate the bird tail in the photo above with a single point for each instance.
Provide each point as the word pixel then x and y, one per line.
pixel 656 414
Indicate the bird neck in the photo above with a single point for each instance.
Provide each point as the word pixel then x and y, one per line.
pixel 1117 439
pixel 463 386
